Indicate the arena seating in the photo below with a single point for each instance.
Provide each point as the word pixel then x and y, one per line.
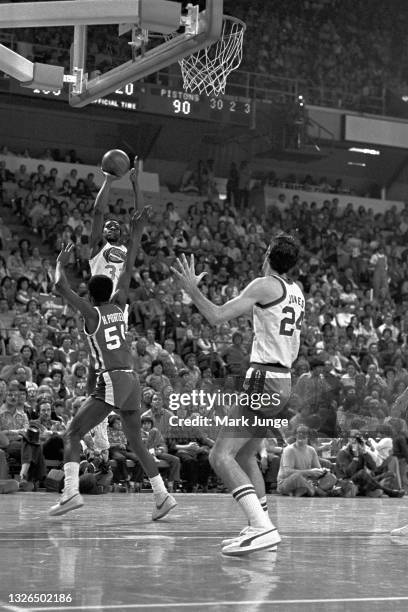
pixel 352 269
pixel 354 57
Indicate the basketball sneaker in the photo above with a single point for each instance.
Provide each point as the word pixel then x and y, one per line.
pixel 66 505
pixel 160 510
pixel 401 531
pixel 241 533
pixel 255 538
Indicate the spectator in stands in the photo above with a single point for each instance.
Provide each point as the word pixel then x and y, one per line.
pixel 20 337
pixel 156 379
pixel 142 360
pixel 152 346
pixel 156 444
pixel 235 357
pixel 32 460
pixel 371 358
pixel 118 451
pixel 66 353
pixel 60 391
pixel 170 346
pixel 313 387
pixel 300 468
pixel 13 422
pixel 244 176
pixel 191 445
pixel 270 458
pixel 160 415
pixel 400 448
pixel 356 462
pixel 8 291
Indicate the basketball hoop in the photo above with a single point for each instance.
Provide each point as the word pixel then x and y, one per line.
pixel 207 70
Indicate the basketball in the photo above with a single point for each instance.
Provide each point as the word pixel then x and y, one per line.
pixel 115 162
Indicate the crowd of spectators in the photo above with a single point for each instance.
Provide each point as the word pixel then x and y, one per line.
pixel 336 46
pixel 70 156
pixel 352 370
pixel 198 179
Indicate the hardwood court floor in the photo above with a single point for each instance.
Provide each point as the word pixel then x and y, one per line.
pixel 335 555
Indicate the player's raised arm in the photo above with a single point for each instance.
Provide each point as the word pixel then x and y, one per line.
pixel 137 224
pixel 259 290
pixel 99 209
pixel 134 176
pixel 63 287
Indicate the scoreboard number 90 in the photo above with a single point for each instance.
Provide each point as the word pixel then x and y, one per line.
pixel 181 107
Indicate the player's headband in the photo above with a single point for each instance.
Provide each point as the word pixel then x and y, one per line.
pixel 112 225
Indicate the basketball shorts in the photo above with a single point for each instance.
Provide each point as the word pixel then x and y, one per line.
pixel 261 404
pixel 119 388
pixel 268 389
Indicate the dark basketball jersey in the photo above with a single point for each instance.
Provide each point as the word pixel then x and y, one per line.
pixel 108 345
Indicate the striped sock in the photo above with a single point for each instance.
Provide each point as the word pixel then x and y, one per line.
pixel 246 497
pixel 264 503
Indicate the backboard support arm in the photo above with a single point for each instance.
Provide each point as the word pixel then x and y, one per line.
pixel 210 27
pixel 163 16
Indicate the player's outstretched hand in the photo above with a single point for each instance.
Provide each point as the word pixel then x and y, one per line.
pixel 186 273
pixel 110 177
pixel 65 255
pixel 134 173
pixel 139 218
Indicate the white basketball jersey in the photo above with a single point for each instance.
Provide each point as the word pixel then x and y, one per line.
pixel 277 327
pixel 109 261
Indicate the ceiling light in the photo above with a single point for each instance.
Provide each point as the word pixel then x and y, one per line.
pixel 364 151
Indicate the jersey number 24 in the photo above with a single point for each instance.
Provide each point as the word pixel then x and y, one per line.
pixel 290 323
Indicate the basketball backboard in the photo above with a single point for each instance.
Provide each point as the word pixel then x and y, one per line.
pixel 182 33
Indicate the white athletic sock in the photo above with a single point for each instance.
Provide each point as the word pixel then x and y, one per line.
pixel 246 497
pixel 264 503
pixel 158 486
pixel 71 482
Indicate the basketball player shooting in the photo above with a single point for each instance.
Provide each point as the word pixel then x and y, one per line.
pixel 117 385
pixel 277 306
pixel 107 253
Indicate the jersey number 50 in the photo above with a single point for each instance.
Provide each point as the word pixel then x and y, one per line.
pixel 113 337
pixel 290 323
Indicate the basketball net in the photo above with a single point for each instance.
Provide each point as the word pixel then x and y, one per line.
pixel 207 70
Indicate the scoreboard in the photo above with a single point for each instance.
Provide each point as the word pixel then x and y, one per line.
pixel 157 99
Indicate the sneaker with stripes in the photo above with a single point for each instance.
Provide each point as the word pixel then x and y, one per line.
pixel 241 533
pixel 254 539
